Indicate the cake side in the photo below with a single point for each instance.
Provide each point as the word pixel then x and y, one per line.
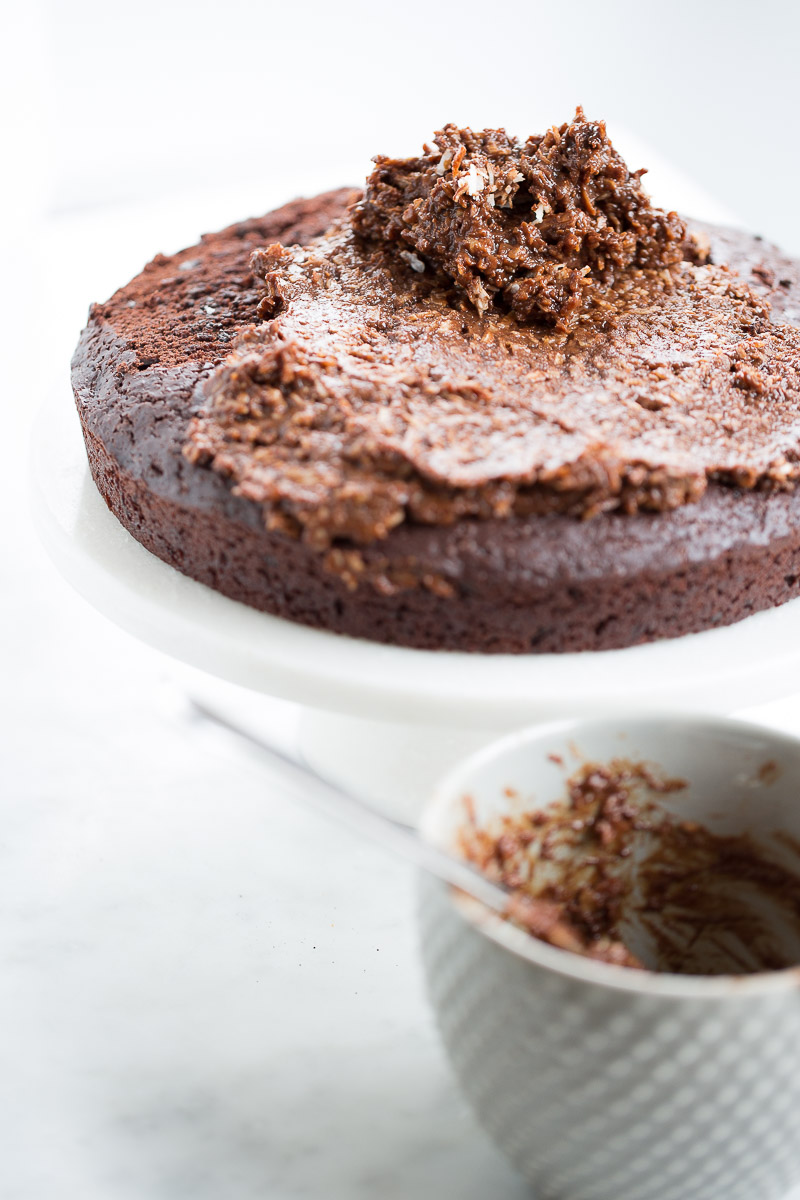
pixel 601 608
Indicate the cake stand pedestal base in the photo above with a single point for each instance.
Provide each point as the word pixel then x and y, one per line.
pixel 395 766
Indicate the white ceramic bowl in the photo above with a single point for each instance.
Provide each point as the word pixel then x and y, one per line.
pixel 601 1082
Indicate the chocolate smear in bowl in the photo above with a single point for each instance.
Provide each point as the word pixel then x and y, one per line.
pixel 609 873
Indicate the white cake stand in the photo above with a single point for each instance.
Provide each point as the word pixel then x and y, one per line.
pixel 381 719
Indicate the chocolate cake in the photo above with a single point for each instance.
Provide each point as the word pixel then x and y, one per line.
pixel 496 402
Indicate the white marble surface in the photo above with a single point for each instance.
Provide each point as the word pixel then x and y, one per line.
pixel 205 994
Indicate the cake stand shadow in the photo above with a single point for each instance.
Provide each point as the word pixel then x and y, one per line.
pixel 383 721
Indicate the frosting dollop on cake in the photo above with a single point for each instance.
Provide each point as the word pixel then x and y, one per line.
pixel 396 374
pixel 532 228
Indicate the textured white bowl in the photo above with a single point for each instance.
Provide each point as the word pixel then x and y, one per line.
pixel 599 1082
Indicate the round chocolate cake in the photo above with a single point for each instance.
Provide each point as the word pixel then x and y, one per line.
pixel 495 402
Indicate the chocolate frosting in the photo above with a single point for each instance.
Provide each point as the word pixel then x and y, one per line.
pixel 384 386
pixel 536 229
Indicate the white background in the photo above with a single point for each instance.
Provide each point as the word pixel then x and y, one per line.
pixel 200 995
pixel 137 101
